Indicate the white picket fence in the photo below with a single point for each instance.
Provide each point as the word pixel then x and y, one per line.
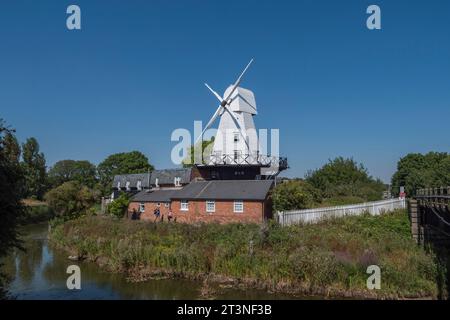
pixel 286 218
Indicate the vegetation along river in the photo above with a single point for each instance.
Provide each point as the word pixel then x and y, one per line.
pixel 40 273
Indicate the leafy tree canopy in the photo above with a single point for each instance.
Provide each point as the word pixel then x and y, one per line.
pixel 345 177
pixel 71 199
pixel 122 163
pixel 11 207
pixel 34 169
pixel 72 170
pixel 415 171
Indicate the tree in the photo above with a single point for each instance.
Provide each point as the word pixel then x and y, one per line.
pixel 71 170
pixel 11 147
pixel 344 177
pixel 294 194
pixel 190 159
pixel 11 207
pixel 415 171
pixel 71 199
pixel 119 206
pixel 122 163
pixel 34 168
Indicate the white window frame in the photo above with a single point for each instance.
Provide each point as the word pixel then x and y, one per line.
pixel 184 205
pixel 166 204
pixel 208 203
pixel 238 202
pixel 177 181
pixel 127 185
pixel 139 185
pixel 141 207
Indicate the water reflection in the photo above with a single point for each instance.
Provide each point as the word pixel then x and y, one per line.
pixel 40 273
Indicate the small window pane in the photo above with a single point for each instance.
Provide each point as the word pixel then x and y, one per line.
pixel 210 206
pixel 184 205
pixel 238 206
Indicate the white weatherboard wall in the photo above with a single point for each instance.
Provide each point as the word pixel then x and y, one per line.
pixel 286 218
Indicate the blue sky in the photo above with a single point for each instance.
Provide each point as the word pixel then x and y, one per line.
pixel 135 72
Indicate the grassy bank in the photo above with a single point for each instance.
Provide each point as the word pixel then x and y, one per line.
pixel 329 258
pixel 35 211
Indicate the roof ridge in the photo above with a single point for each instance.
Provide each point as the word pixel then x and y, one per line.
pixel 203 189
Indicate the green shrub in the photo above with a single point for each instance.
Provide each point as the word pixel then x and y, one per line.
pixel 295 194
pixel 119 206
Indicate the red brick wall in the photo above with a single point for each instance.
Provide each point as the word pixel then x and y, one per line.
pixel 149 209
pixel 224 213
pixel 253 211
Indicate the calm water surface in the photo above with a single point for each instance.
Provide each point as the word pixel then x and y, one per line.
pixel 40 273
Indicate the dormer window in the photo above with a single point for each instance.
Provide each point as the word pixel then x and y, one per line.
pixel 139 185
pixel 118 185
pixel 177 181
pixel 127 185
pixel 156 183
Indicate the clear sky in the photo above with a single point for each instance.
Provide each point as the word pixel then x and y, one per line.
pixel 135 72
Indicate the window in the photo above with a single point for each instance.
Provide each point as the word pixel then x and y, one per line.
pixel 118 185
pixel 158 204
pixel 141 207
pixel 156 182
pixel 238 206
pixel 237 154
pixel 236 137
pixel 139 185
pixel 210 206
pixel 127 185
pixel 166 204
pixel 184 205
pixel 177 181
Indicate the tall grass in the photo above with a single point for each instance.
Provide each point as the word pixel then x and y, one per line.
pixel 327 258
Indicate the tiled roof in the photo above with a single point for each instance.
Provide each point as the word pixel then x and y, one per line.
pixel 225 190
pixel 132 178
pixel 154 196
pixel 167 176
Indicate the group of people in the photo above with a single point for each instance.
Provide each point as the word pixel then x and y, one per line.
pixel 135 215
pixel 158 215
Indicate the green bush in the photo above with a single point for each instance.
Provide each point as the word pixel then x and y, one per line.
pixel 119 206
pixel 295 194
pixel 343 178
pixel 71 199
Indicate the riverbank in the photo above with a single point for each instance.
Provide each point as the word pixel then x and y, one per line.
pixel 35 212
pixel 327 259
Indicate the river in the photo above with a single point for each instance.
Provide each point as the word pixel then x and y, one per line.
pixel 40 273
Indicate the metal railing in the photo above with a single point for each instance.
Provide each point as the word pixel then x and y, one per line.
pixel 246 159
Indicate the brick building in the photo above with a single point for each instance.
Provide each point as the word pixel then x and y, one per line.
pixel 220 201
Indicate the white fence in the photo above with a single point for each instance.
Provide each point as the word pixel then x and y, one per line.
pixel 314 215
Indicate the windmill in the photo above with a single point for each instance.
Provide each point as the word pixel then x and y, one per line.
pixel 236 141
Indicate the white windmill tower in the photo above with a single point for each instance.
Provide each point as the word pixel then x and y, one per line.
pixel 236 141
pixel 236 152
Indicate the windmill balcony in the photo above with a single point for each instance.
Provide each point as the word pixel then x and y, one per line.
pixel 246 160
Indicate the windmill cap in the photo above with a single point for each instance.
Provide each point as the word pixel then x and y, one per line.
pixel 243 100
